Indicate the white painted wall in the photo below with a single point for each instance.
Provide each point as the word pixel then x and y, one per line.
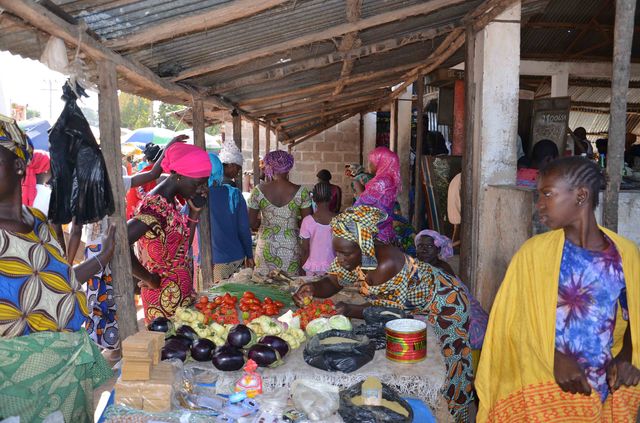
pixel 370 132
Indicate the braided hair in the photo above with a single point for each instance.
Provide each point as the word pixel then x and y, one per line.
pixel 321 192
pixel 578 172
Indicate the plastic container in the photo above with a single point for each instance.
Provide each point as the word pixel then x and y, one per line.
pixel 406 340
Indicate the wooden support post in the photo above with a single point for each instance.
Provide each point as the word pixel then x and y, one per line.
pixel 466 189
pixel 204 226
pixel 393 126
pixel 109 115
pixel 267 133
pixel 237 128
pixel 256 154
pixel 361 149
pixel 418 193
pixel 458 119
pixel 623 38
pixel 403 148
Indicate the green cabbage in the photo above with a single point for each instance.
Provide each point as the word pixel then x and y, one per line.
pixel 318 325
pixel 340 322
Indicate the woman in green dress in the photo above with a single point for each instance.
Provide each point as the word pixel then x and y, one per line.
pixel 276 208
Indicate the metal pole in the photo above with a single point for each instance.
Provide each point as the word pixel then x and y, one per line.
pixel 623 38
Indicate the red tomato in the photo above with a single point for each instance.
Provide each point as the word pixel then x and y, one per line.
pixel 210 306
pixel 217 301
pixel 204 299
pixel 279 304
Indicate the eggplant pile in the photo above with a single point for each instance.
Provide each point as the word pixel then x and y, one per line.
pixel 228 349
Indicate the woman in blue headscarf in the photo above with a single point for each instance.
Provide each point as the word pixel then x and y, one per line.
pixel 230 234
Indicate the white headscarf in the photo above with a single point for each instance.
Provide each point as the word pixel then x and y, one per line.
pixel 230 153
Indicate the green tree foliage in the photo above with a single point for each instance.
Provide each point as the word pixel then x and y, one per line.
pixel 91 116
pixel 164 118
pixel 32 114
pixel 135 112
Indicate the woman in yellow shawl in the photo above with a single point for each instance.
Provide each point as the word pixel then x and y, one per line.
pixel 562 340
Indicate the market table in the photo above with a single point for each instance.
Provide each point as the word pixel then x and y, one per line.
pixel 421 380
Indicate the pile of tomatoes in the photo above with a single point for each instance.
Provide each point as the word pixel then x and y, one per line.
pixel 221 309
pixel 252 308
pixel 315 309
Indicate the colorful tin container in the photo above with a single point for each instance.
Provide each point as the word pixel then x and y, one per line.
pixel 406 340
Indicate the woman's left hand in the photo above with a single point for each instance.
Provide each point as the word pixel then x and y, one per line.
pixel 622 373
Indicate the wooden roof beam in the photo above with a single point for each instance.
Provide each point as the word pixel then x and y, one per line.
pixel 348 42
pixel 331 58
pixel 213 18
pixel 423 8
pixel 314 89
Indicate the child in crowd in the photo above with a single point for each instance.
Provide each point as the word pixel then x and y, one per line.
pixel 317 250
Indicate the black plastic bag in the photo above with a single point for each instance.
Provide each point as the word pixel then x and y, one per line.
pixel 80 185
pixel 344 357
pixel 352 413
pixel 375 319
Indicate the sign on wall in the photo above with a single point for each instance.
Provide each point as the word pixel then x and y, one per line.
pixel 550 120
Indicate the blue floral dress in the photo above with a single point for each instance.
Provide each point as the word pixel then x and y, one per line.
pixel 590 287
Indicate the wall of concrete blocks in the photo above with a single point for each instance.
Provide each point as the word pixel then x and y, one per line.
pixel 331 150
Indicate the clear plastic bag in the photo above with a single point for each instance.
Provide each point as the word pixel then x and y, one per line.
pixel 317 400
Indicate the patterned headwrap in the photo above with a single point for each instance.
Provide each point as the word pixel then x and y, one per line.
pixel 217 173
pixel 276 163
pixel 13 139
pixel 230 153
pixel 356 168
pixel 440 241
pixel 360 225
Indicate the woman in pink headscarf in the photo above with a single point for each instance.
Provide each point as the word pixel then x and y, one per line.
pixel 162 235
pixel 382 191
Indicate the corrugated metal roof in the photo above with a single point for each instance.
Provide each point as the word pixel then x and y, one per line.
pixel 597 124
pixel 263 89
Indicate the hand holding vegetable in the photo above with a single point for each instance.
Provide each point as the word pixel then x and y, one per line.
pixel 304 293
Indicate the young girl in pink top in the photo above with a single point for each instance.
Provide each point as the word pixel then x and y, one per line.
pixel 317 250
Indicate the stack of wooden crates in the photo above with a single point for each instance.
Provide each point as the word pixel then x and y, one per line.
pixel 146 383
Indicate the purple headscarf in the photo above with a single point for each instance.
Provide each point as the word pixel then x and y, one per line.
pixel 440 241
pixel 276 163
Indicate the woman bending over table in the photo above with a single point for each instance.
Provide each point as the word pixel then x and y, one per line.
pixel 391 278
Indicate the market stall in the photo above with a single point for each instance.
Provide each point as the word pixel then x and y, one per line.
pixel 198 365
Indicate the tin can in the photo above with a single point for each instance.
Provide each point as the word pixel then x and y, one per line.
pixel 406 340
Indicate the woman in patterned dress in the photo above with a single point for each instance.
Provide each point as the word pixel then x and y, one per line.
pixel 42 305
pixel 162 235
pixel 391 278
pixel 276 207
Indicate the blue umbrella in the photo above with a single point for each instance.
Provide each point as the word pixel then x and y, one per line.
pixel 37 131
pixel 159 136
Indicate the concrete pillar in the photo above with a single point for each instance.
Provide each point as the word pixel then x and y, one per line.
pixel 496 65
pixel 403 147
pixel 457 146
pixel 560 84
pixel 370 132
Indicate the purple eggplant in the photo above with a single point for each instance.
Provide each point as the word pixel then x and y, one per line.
pixel 181 339
pixel 265 356
pixel 175 348
pixel 187 331
pixel 160 324
pixel 202 349
pixel 228 358
pixel 240 336
pixel 276 343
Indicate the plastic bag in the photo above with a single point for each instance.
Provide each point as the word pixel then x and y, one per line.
pixel 80 185
pixel 370 413
pixel 376 318
pixel 343 357
pixel 316 399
